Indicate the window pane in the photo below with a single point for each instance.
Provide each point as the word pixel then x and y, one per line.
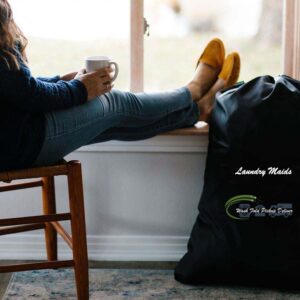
pixel 179 30
pixel 62 33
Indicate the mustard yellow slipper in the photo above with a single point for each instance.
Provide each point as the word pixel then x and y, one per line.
pixel 231 69
pixel 213 54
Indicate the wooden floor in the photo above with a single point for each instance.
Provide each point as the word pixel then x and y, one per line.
pixel 4 278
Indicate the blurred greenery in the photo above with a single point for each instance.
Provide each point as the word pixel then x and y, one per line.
pixel 56 57
pixel 169 62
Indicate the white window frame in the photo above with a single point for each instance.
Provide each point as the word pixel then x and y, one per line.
pixel 137 45
pixel 291 38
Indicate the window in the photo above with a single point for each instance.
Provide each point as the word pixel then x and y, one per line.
pixel 62 33
pixel 180 29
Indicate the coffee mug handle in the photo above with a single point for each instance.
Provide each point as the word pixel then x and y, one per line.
pixel 116 69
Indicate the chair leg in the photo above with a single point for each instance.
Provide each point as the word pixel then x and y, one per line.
pixel 49 207
pixel 78 229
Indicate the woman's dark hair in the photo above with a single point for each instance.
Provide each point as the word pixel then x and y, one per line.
pixel 11 38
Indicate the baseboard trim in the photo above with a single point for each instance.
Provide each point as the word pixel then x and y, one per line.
pixel 105 248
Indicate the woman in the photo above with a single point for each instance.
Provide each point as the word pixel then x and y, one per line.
pixel 44 119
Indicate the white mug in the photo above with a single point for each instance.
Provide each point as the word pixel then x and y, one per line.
pixel 94 63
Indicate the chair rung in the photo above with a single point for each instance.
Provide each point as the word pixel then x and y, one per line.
pixel 22 228
pixel 62 232
pixel 35 219
pixel 21 186
pixel 37 266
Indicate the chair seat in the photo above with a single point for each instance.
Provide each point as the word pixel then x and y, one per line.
pixel 60 168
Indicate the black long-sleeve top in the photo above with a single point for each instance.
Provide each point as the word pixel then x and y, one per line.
pixel 24 101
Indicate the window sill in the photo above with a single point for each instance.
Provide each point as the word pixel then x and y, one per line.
pixel 184 140
pixel 200 128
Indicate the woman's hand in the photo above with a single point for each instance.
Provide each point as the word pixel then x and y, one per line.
pixel 97 83
pixel 69 76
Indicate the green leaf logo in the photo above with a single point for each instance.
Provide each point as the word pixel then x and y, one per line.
pixel 238 199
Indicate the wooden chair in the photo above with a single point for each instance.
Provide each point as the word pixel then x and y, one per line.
pixel 49 221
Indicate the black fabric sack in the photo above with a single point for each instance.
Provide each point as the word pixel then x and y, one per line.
pixel 248 228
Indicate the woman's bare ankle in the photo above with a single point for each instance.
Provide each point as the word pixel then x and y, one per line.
pixel 195 90
pixel 204 78
pixel 205 111
pixel 207 102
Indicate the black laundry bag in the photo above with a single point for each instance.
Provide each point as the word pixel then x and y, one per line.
pixel 248 228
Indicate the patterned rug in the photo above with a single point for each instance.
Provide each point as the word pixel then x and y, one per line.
pixel 134 284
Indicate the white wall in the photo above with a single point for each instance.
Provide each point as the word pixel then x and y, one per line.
pixel 140 198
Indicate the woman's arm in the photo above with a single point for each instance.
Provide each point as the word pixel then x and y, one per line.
pixel 66 77
pixel 27 93
pixel 53 79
